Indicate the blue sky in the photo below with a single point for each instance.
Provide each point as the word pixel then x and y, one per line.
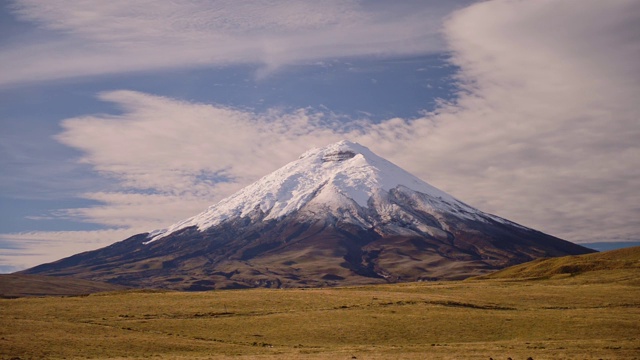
pixel 122 117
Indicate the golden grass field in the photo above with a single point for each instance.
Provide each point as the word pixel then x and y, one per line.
pixel 581 315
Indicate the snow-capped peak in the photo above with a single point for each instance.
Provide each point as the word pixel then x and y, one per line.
pixel 349 170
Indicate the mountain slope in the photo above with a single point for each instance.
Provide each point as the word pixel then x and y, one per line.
pixel 338 215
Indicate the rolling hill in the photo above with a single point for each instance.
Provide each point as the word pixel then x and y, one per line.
pixel 613 265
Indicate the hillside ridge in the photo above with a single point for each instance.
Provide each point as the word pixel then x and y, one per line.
pixel 619 260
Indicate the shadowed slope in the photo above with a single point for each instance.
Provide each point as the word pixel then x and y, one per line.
pixel 289 253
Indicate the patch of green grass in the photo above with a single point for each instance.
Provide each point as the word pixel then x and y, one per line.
pixel 471 319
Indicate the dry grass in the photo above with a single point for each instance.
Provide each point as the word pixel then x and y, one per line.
pixel 621 266
pixel 18 285
pixel 551 319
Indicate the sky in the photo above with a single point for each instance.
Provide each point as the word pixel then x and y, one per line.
pixel 122 117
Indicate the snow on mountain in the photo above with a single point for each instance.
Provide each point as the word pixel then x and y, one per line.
pixel 342 175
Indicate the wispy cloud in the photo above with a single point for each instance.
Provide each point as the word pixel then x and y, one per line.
pixel 20 251
pixel 172 158
pixel 176 147
pixel 94 38
pixel 544 131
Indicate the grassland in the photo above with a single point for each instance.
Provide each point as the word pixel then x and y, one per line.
pixel 549 319
pixel 585 307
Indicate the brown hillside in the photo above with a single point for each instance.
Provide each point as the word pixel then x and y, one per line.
pixel 19 285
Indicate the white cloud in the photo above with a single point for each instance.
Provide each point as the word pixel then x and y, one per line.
pixel 39 247
pixel 178 148
pixel 97 37
pixel 545 131
pixel 172 159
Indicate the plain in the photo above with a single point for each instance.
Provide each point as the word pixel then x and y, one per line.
pixel 572 312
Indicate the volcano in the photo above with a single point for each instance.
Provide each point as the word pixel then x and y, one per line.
pixel 339 215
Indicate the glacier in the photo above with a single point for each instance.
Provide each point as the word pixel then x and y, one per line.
pixel 334 177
